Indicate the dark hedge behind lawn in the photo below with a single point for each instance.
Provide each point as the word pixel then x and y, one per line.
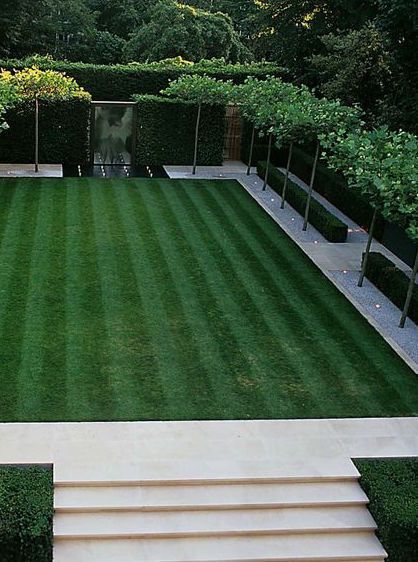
pixel 26 513
pixel 166 132
pixel 64 132
pixel 121 82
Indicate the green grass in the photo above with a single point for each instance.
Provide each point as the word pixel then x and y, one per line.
pixel 158 299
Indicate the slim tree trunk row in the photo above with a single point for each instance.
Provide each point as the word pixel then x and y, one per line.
pixel 196 138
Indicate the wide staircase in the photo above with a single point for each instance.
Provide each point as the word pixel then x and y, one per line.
pixel 286 519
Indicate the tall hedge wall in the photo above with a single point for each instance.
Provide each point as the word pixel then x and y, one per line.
pixel 121 82
pixel 26 513
pixel 166 131
pixel 392 487
pixel 64 132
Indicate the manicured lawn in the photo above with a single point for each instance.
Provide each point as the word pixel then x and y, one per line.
pixel 154 299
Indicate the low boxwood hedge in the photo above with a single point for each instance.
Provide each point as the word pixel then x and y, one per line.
pixel 330 185
pixel 26 513
pixel 120 82
pixel 392 487
pixel 392 281
pixel 334 188
pixel 64 132
pixel 325 222
pixel 166 132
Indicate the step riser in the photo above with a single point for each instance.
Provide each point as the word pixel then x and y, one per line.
pixel 187 508
pixel 205 481
pixel 214 534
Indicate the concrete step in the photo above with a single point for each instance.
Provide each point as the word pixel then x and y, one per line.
pixel 344 547
pixel 212 523
pixel 205 497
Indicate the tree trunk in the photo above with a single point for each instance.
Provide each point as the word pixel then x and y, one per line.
pixel 196 139
pixel 266 175
pixel 251 151
pixel 287 176
pixel 36 135
pixel 410 293
pixel 308 201
pixel 367 252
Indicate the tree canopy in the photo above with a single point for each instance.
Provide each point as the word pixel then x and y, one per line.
pixel 174 29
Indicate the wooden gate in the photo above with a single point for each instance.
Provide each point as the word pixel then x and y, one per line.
pixel 232 147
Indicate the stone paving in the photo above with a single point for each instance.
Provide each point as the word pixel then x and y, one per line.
pixel 28 171
pixel 339 262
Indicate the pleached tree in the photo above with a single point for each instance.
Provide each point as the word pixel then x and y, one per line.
pixel 200 90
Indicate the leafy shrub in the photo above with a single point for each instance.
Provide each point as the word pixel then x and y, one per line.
pixel 121 82
pixel 64 117
pixel 325 222
pixel 33 82
pixel 166 129
pixel 393 282
pixel 392 487
pixel 26 512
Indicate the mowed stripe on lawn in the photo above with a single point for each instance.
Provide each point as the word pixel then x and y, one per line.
pixel 159 299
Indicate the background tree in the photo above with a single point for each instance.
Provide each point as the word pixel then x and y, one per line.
pixel 382 164
pixel 200 90
pixel 356 67
pixel 174 29
pixel 35 85
pixel 325 117
pixel 119 17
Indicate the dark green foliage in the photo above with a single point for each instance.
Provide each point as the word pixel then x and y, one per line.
pixel 121 82
pixel 173 29
pixel 26 512
pixel 166 129
pixel 355 68
pixel 392 487
pixel 334 188
pixel 325 222
pixel 393 282
pixel 63 132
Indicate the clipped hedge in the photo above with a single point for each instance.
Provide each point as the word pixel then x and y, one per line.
pixel 166 132
pixel 392 487
pixel 26 513
pixel 325 222
pixel 392 281
pixel 330 185
pixel 64 132
pixel 121 82
pixel 334 188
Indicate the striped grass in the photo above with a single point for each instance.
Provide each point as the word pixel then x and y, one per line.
pixel 175 300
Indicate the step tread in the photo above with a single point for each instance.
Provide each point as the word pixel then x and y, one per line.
pixel 360 547
pixel 177 523
pixel 205 496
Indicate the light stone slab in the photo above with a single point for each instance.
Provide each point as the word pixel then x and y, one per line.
pixel 28 171
pixel 363 547
pixel 166 451
pixel 208 497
